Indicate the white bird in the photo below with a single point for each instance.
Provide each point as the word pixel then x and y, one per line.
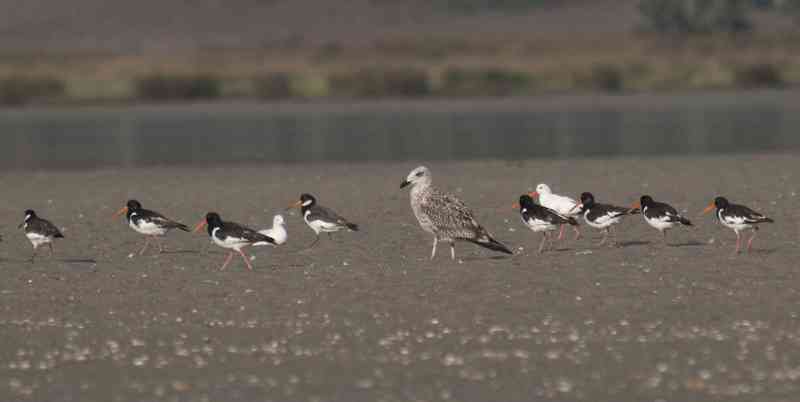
pixel 562 204
pixel 444 215
pixel 277 231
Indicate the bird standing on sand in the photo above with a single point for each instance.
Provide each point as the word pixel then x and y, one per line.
pixel 602 216
pixel 321 219
pixel 444 215
pixel 563 205
pixel 739 218
pixel 278 230
pixel 149 223
pixel 232 236
pixel 39 231
pixel 541 219
pixel 660 215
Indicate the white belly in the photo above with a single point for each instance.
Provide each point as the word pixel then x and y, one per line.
pixel 37 239
pixel 661 223
pixel 540 226
pixel 229 242
pixel 603 221
pixel 147 228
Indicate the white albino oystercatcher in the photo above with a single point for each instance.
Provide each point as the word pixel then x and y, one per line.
pixel 278 230
pixel 541 219
pixel 563 205
pixel 738 218
pixel 149 223
pixel 232 236
pixel 602 216
pixel 321 219
pixel 444 215
pixel 660 215
pixel 39 231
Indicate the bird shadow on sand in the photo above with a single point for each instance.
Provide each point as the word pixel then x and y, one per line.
pixel 180 252
pixel 632 243
pixel 690 243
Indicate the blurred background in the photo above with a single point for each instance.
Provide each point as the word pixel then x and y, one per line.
pixel 299 80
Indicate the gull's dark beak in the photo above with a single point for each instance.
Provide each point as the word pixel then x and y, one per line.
pixel 404 183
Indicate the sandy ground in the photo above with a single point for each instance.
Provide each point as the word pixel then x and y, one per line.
pixel 367 317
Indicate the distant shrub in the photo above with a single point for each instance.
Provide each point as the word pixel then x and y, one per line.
pixel 164 87
pixel 606 77
pixel 375 82
pixel 696 16
pixel 273 86
pixel 484 82
pixel 22 90
pixel 759 76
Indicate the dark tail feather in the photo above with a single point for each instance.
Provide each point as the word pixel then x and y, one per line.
pixel 767 220
pixel 181 227
pixel 59 235
pixel 685 221
pixel 352 226
pixel 634 211
pixel 491 244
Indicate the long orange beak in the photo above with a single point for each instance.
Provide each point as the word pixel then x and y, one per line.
pixel 124 210
pixel 295 204
pixel 637 205
pixel 515 205
pixel 200 225
pixel 534 194
pixel 709 208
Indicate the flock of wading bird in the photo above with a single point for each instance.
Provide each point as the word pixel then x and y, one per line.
pixel 441 214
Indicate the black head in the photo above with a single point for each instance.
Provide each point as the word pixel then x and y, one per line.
pixel 213 219
pixel 134 205
pixel 645 200
pixel 721 202
pixel 587 199
pixel 525 202
pixel 29 214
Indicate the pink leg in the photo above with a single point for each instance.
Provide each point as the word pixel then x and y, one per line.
pixel 605 237
pixel 227 260
pixel 750 242
pixel 160 245
pixel 146 242
pixel 246 260
pixel 561 233
pixel 577 232
pixel 738 243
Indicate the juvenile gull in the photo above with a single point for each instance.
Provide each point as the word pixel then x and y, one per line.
pixel 739 218
pixel 39 231
pixel 321 219
pixel 149 223
pixel 541 219
pixel 444 215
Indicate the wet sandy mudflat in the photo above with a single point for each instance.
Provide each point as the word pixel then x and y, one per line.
pixel 367 317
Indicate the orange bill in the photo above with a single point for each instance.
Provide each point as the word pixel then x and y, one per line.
pixel 200 225
pixel 533 194
pixel 295 204
pixel 515 205
pixel 709 208
pixel 124 210
pixel 637 205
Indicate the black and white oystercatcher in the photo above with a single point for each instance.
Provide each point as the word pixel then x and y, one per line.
pixel 739 218
pixel 149 223
pixel 445 215
pixel 39 231
pixel 559 203
pixel 232 236
pixel 321 219
pixel 602 216
pixel 659 215
pixel 541 219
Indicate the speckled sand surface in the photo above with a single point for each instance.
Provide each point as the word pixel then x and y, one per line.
pixel 367 317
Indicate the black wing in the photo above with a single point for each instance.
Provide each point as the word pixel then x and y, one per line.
pixel 319 212
pixel 43 227
pixel 160 220
pixel 600 211
pixel 231 229
pixel 745 213
pixel 538 212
